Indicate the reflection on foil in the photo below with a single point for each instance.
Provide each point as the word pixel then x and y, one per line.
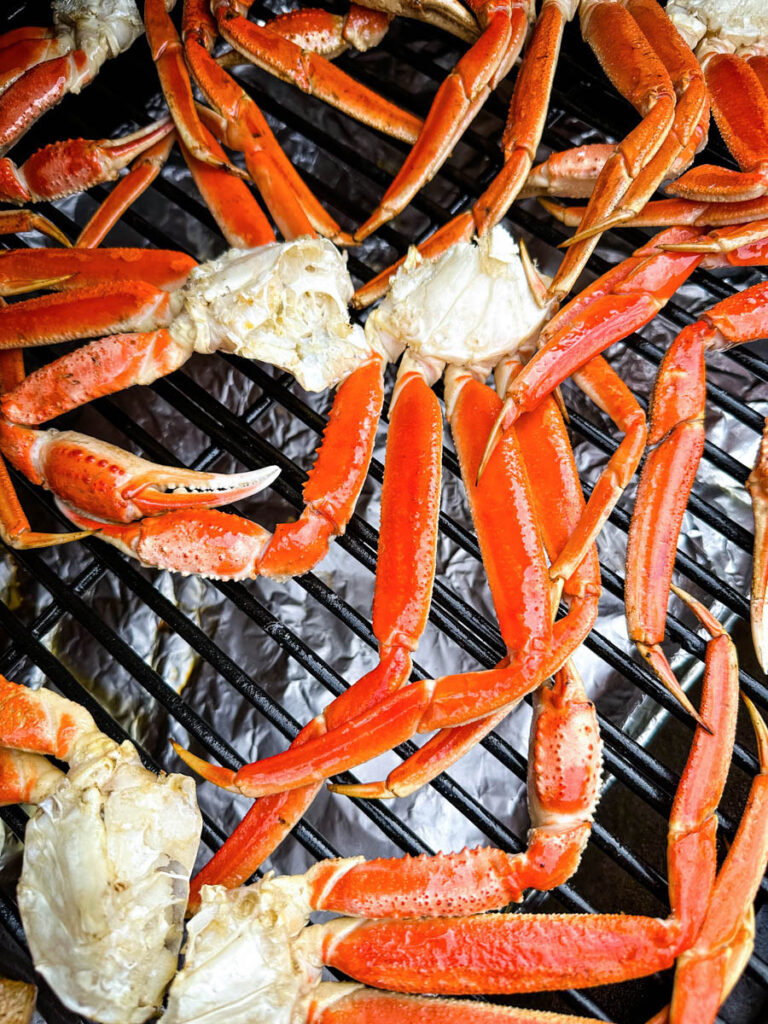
pixel 288 608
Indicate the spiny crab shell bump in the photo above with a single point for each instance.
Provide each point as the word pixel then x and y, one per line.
pixel 284 303
pixel 101 28
pixel 105 881
pixel 247 958
pixel 736 26
pixel 468 307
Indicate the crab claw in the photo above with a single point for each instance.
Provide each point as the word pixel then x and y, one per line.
pixel 200 541
pixel 104 481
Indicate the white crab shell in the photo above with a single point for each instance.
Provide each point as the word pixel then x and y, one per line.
pixel 105 881
pixel 468 307
pixel 730 26
pixel 283 303
pixel 244 962
pixel 102 28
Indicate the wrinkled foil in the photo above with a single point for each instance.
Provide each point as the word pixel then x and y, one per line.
pixel 344 826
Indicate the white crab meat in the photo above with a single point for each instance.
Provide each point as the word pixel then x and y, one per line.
pixel 729 26
pixel 101 28
pixel 468 307
pixel 244 962
pixel 284 303
pixel 105 881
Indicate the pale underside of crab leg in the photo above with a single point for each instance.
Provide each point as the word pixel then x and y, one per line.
pixel 26 778
pixel 311 73
pixel 677 437
pixel 512 953
pixel 740 107
pixel 522 134
pixel 74 165
pixel 457 101
pixel 662 213
pixel 221 546
pixel 404 576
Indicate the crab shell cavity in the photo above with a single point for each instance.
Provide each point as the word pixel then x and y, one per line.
pixel 469 306
pixel 242 961
pixel 105 882
pixel 283 303
pixel 727 26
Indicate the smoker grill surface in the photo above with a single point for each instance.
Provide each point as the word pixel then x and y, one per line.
pixel 349 167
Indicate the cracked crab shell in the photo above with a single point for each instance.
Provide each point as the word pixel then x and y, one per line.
pixel 243 959
pixel 105 882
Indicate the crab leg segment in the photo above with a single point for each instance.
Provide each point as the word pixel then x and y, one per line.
pixel 293 206
pixel 337 1003
pixel 667 212
pixel 21 269
pixel 512 953
pixel 221 546
pixel 329 35
pixel 677 431
pixel 104 481
pixel 404 577
pixel 504 24
pixel 26 778
pixel 740 106
pixel 75 165
pixel 312 73
pixel 40 721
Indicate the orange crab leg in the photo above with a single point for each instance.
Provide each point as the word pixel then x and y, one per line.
pixel 143 172
pixel 74 165
pixel 522 135
pixel 740 107
pixel 19 221
pixel 29 269
pixel 329 35
pixel 36 91
pixel 677 432
pixel 40 721
pixel 511 953
pixel 23 48
pixel 311 73
pixel 404 577
pixel 293 206
pixel 221 546
pixel 460 96
pixel 687 133
pixel 675 212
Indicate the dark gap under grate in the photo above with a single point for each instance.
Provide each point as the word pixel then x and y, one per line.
pixel 583 100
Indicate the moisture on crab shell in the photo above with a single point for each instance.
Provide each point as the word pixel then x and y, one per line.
pixel 735 24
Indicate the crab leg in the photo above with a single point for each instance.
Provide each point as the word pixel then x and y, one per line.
pixel 504 24
pixel 310 72
pixel 293 206
pixel 740 107
pixel 512 953
pixel 28 269
pixel 143 172
pixel 677 432
pixel 74 165
pixel 15 530
pixel 26 778
pixel 404 577
pixel 687 133
pixel 329 35
pixel 221 546
pixel 23 48
pixel 669 212
pixel 453 700
pixel 522 135
pixel 19 221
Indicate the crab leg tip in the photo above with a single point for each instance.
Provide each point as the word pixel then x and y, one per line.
pixel 221 777
pixel 31 539
pixel 653 655
pixel 761 732
pixel 494 437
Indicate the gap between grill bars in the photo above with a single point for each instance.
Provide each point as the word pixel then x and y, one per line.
pixel 582 100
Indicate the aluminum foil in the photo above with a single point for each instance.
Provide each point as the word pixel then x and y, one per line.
pixel 436 823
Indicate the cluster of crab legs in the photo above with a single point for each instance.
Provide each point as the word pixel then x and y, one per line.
pixel 542 560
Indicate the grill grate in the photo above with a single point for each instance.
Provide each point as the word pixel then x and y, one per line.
pixel 626 849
